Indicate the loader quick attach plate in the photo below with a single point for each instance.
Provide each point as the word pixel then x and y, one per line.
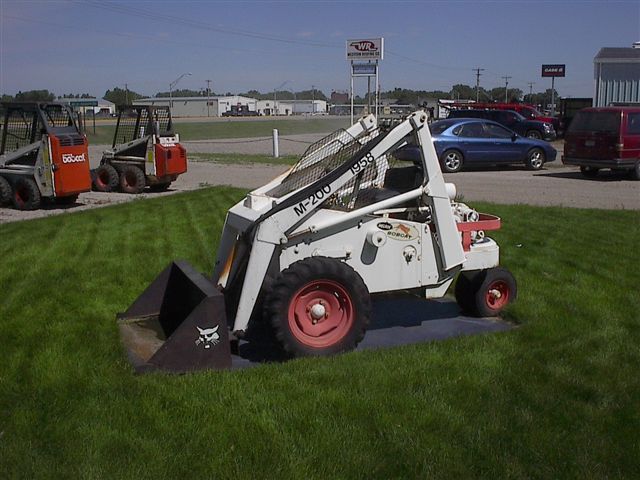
pixel 177 324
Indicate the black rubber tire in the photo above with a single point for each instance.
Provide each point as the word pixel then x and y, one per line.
pixel 589 172
pixel 105 178
pixel 309 281
pixel 635 172
pixel 26 195
pixel 534 134
pixel 160 187
pixel 132 179
pixel 484 303
pixel 535 159
pixel 452 161
pixel 69 200
pixel 5 191
pixel 464 292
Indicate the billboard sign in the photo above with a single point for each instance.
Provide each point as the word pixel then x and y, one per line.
pixel 364 69
pixel 365 49
pixel 553 70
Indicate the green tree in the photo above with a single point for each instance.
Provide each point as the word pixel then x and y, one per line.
pixel 497 95
pixel 463 92
pixel 35 96
pixel 184 92
pixel 120 96
pixel 543 99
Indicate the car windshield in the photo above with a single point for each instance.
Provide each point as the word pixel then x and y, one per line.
pixel 598 122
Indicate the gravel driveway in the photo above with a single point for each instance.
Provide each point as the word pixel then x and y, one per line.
pixel 555 185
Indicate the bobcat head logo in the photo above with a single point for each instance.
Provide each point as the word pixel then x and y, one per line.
pixel 208 336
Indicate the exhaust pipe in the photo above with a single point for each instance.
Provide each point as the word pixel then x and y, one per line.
pixel 178 324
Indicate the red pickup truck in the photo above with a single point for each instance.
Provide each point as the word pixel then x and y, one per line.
pixel 527 111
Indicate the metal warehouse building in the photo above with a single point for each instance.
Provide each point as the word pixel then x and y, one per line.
pixel 216 106
pixel 199 106
pixel 617 76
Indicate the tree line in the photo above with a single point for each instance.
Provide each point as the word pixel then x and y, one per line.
pixel 400 96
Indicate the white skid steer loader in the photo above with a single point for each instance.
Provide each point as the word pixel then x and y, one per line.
pixel 305 252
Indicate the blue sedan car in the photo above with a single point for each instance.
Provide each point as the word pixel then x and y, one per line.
pixel 465 142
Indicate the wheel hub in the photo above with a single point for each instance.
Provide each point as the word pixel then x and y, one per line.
pixel 317 312
pixel 497 295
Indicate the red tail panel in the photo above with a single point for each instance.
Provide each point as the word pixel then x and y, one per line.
pixel 170 160
pixel 70 168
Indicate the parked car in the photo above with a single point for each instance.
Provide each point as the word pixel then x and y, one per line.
pixel 606 137
pixel 461 143
pixel 512 120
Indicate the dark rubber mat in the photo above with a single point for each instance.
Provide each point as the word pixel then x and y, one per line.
pixel 397 320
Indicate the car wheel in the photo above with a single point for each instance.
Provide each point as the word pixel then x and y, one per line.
pixel 452 161
pixel 534 134
pixel 535 159
pixel 589 172
pixel 635 173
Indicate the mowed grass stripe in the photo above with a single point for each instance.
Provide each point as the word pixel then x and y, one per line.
pixel 556 397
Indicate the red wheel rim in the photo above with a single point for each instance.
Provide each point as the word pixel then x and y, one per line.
pixel 103 179
pixel 21 196
pixel 320 313
pixel 130 180
pixel 497 295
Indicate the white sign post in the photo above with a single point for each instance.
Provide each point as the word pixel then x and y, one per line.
pixel 364 55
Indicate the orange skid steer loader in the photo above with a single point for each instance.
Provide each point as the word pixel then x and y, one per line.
pixel 43 156
pixel 145 151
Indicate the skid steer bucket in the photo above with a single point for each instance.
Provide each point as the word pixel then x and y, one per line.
pixel 177 324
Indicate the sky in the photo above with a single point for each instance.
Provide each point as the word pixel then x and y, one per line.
pixel 86 46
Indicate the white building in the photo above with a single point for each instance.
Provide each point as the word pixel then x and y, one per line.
pixel 86 105
pixel 200 106
pixel 617 76
pixel 292 107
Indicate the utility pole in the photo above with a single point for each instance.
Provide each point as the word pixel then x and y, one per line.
pixel 506 88
pixel 478 70
pixel 208 95
pixel 126 94
pixel 313 99
pixel 531 90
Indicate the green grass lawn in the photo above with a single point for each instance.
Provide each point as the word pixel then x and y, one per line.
pixel 558 397
pixel 233 129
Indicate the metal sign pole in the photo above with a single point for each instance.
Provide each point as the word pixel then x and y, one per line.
pixel 377 89
pixel 351 93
